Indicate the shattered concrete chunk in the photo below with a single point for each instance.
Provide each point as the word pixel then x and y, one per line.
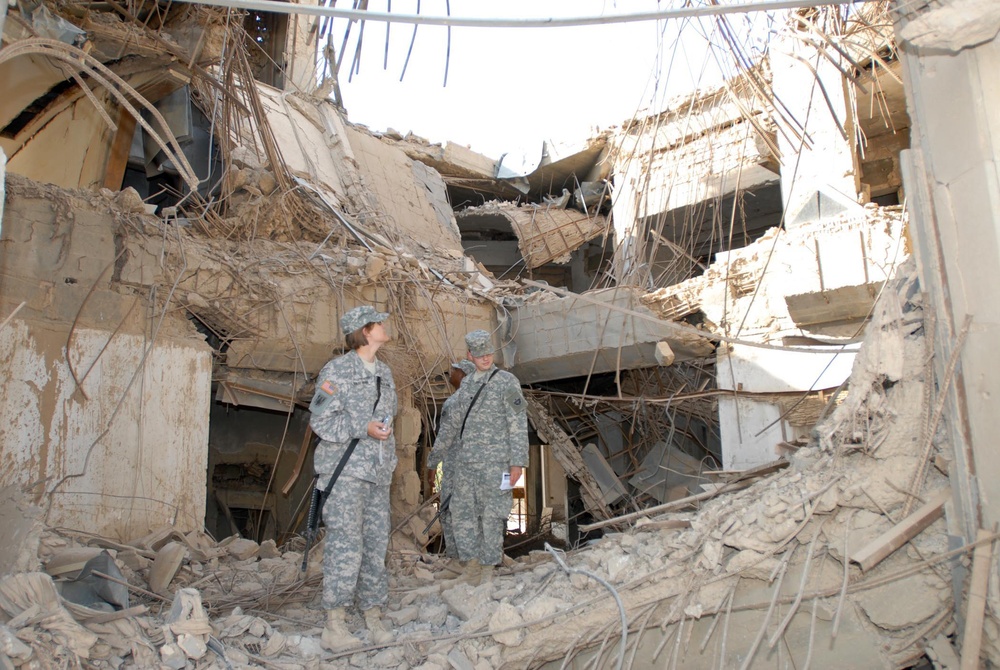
pixel 752 565
pixel 460 601
pixel 506 616
pixel 173 656
pixel 459 661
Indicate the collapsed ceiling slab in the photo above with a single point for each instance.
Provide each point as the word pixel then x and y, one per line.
pixel 599 331
pixel 473 178
pixel 545 233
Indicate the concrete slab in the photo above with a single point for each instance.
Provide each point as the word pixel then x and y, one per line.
pixel 573 335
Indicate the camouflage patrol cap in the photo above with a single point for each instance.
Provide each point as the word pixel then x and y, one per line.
pixel 479 343
pixel 466 366
pixel 359 317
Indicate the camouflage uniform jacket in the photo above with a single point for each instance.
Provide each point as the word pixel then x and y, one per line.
pixel 496 431
pixel 345 416
pixel 451 421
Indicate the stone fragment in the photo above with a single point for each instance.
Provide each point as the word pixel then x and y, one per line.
pixel 460 601
pixel 618 563
pixel 403 616
pixel 266 182
pixel 374 266
pixel 193 646
pixel 172 656
pixel 711 555
pixel 241 549
pixel 434 615
pixel 168 561
pixel 506 616
pixel 308 646
pixel 541 607
pixel 752 564
pixel 268 549
pixel 459 661
pixel 388 658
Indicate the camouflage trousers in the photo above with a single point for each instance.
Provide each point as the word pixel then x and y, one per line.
pixel 479 511
pixel 356 516
pixel 447 526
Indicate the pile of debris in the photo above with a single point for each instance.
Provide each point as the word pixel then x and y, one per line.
pixel 838 559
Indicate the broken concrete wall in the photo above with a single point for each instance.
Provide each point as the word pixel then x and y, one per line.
pixel 105 411
pixel 746 292
pixel 753 425
pixel 122 452
pixel 705 146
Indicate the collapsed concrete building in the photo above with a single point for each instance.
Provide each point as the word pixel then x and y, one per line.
pixel 735 375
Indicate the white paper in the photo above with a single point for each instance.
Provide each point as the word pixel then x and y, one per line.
pixel 505 482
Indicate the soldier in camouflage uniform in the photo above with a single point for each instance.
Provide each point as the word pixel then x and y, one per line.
pixel 355 399
pixel 447 431
pixel 489 439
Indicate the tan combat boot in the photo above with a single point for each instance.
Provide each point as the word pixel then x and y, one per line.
pixel 486 574
pixel 471 573
pixel 373 620
pixel 336 637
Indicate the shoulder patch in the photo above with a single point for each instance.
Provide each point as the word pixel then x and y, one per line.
pixel 514 398
pixel 328 387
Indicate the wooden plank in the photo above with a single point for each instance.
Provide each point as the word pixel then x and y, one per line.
pixel 872 554
pixel 976 605
pixel 114 171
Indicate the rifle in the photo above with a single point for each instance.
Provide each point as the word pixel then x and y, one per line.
pixel 442 508
pixel 312 520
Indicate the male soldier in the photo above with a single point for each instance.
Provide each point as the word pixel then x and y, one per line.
pixel 441 453
pixel 491 440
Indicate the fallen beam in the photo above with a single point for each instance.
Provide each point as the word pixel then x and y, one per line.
pixel 872 553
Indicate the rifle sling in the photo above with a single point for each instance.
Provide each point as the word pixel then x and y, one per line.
pixel 474 399
pixel 350 449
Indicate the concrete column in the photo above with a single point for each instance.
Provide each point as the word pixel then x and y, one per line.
pixel 819 174
pixel 950 56
pixel 625 211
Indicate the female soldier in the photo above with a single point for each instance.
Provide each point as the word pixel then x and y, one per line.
pixel 352 410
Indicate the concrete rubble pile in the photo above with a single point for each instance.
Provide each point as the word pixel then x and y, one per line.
pixel 799 568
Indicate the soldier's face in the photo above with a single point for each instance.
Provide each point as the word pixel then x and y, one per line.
pixel 483 363
pixel 377 334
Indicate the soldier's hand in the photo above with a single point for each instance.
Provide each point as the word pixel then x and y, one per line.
pixel 379 430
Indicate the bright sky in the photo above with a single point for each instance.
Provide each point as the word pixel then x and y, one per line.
pixel 510 88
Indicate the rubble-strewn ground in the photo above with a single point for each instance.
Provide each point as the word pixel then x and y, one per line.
pixel 757 577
